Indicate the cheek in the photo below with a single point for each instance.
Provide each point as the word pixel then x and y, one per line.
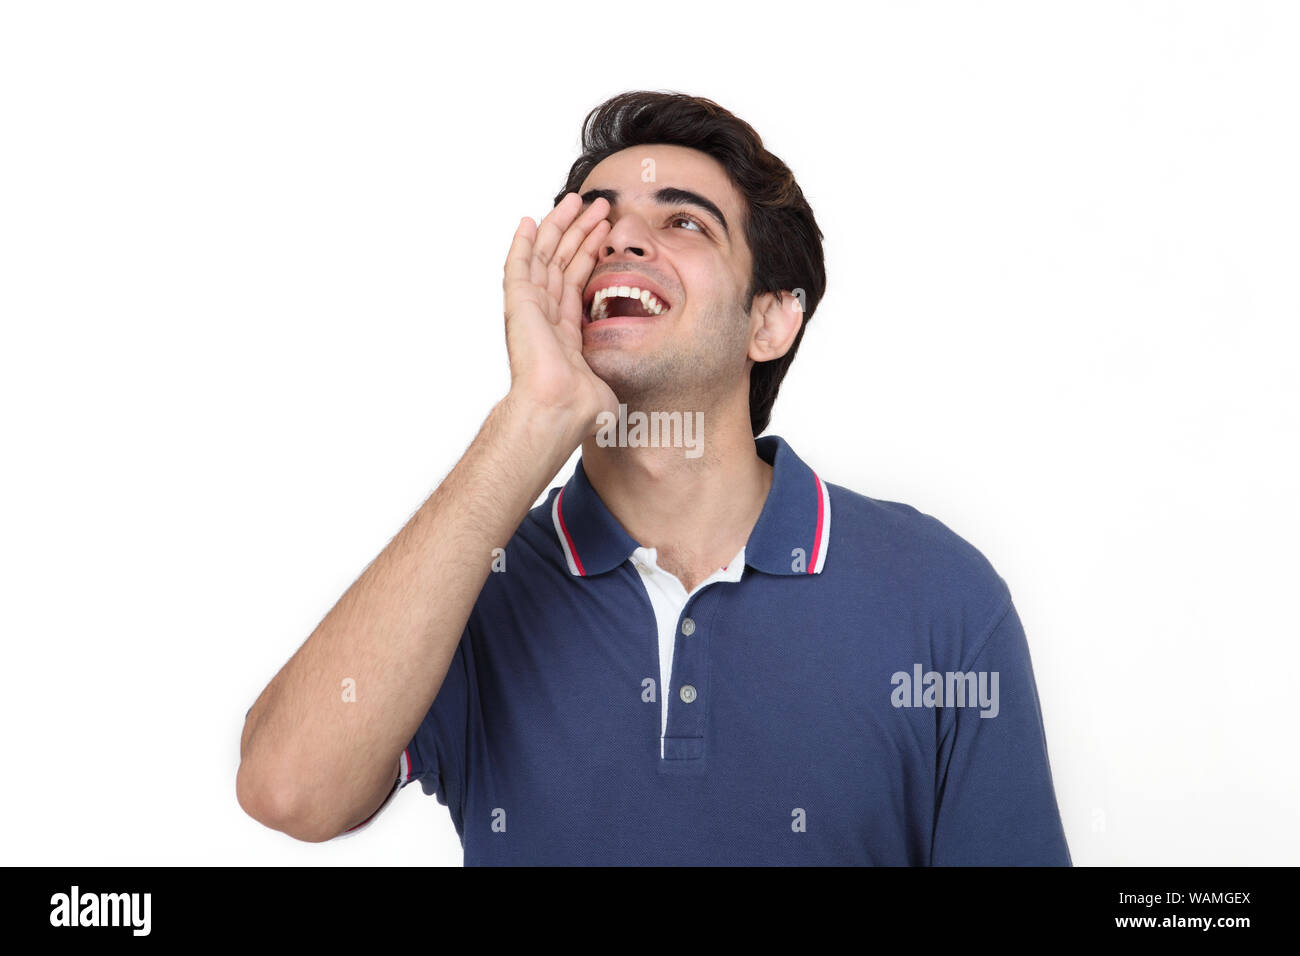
pixel 710 286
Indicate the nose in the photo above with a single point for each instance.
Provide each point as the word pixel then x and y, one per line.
pixel 630 235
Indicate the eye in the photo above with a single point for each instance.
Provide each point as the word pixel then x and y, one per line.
pixel 691 219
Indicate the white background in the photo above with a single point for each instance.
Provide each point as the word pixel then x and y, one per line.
pixel 250 284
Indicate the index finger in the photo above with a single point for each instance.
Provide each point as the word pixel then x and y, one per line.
pixel 580 269
pixel 552 228
pixel 578 232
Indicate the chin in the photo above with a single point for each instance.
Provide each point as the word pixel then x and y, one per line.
pixel 627 376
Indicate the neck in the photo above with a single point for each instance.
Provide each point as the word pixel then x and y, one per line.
pixel 696 512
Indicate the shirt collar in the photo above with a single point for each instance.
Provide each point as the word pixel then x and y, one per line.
pixel 790 536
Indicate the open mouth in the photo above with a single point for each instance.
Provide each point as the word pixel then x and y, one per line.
pixel 623 302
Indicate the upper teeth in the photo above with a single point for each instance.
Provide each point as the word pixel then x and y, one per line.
pixel 600 306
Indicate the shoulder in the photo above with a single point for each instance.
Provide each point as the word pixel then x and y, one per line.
pixel 876 526
pixel 912 555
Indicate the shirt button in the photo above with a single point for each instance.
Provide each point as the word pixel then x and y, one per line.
pixel 688 627
pixel 687 693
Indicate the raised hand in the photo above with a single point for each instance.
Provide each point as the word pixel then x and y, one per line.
pixel 545 273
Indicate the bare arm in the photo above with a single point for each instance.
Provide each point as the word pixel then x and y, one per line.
pixel 313 765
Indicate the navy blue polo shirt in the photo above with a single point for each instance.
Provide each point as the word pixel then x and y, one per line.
pixel 819 726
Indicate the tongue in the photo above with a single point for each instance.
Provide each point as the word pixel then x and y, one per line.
pixel 622 305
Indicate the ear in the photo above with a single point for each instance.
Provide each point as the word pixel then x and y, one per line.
pixel 774 321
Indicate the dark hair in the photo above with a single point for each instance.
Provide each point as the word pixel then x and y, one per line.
pixel 779 227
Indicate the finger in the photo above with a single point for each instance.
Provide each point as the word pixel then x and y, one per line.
pixel 577 233
pixel 519 260
pixel 579 271
pixel 573 238
pixel 549 232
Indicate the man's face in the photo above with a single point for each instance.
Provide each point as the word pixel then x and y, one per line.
pixel 669 243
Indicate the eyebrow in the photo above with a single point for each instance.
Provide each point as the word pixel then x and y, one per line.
pixel 667 196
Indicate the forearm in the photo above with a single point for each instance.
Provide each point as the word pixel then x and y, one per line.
pixel 312 762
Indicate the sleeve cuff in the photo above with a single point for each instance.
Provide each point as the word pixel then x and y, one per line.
pixel 402 780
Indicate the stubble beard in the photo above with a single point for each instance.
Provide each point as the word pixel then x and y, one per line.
pixel 682 377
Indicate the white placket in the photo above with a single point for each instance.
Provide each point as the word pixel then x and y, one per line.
pixel 668 597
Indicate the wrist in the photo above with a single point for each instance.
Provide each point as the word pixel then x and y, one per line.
pixel 543 427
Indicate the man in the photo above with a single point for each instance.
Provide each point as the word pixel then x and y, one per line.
pixel 696 651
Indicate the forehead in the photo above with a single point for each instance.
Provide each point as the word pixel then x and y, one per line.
pixel 636 172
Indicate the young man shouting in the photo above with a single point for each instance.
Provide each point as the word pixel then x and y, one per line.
pixel 697 651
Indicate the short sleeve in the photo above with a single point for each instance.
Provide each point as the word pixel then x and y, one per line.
pixel 435 756
pixel 995 801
